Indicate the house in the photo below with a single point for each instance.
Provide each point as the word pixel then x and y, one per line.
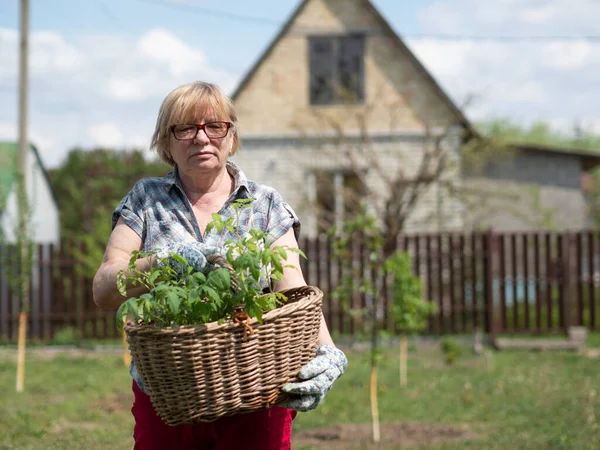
pixel 338 81
pixel 544 187
pixel 44 216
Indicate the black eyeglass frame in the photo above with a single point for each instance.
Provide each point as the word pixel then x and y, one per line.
pixel 201 127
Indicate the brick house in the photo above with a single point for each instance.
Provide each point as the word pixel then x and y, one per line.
pixel 337 75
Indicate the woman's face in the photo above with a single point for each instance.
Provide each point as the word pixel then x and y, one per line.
pixel 202 153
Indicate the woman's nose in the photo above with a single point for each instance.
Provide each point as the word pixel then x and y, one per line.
pixel 201 137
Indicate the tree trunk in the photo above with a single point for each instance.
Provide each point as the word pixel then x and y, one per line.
pixel 403 358
pixel 374 407
pixel 21 351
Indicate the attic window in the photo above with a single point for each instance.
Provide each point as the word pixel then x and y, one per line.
pixel 337 69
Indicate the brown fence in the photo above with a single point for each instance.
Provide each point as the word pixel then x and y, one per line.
pixel 498 282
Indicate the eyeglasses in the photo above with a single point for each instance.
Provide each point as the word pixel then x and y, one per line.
pixel 190 131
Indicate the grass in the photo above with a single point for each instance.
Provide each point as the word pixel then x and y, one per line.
pixel 516 399
pixel 524 400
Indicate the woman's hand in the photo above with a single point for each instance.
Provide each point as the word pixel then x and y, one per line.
pixel 183 244
pixel 320 374
pixel 193 252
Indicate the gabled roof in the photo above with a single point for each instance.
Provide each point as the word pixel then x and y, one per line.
pixel 462 120
pixel 589 159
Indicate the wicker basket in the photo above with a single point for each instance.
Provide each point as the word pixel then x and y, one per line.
pixel 204 372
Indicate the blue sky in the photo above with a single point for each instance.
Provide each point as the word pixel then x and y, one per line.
pixel 99 68
pixel 230 42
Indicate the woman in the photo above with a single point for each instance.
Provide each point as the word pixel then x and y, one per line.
pixel 196 133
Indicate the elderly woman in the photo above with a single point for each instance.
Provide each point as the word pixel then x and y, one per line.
pixel 196 133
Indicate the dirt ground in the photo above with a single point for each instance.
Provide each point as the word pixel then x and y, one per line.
pixel 359 436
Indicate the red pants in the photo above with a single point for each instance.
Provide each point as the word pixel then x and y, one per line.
pixel 269 429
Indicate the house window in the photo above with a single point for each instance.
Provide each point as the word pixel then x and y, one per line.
pixel 338 197
pixel 337 69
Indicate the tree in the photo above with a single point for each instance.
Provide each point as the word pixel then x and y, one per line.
pixel 540 133
pixel 410 309
pixel 88 187
pixel 16 265
pixel 410 180
pixel 378 191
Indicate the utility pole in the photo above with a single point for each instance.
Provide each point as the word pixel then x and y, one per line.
pixel 22 191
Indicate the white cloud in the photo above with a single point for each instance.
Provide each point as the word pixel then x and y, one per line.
pixel 161 46
pixel 538 14
pixel 107 134
pixel 97 90
pixel 525 17
pixel 7 131
pixel 527 80
pixel 90 90
pixel 573 55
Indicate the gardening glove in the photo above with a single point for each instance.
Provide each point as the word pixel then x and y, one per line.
pixel 320 373
pixel 195 253
pixel 182 243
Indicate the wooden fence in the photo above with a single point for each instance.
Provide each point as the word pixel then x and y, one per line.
pixel 530 282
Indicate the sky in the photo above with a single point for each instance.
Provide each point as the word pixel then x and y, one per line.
pixel 99 69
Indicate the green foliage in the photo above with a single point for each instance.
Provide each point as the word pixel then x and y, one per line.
pixel 540 133
pixel 19 259
pixel 196 298
pixel 409 309
pixel 87 187
pixel 363 231
pixel 451 350
pixel 67 335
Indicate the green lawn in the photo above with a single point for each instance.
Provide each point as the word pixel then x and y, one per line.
pixel 508 400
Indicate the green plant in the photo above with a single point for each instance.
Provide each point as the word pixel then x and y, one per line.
pixel 409 309
pixel 450 349
pixel 67 335
pixel 196 298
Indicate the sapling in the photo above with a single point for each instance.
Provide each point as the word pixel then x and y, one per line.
pixel 409 310
pixel 174 299
pixel 364 231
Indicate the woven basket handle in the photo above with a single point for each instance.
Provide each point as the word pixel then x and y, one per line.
pixel 219 260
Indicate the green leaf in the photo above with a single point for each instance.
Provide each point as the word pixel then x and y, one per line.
pixel 219 279
pixel 174 302
pixel 178 258
pixel 211 294
pixel 258 314
pixel 277 264
pixel 122 313
pixel 153 277
pixel 200 277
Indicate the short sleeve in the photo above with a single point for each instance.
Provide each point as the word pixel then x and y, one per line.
pixel 281 218
pixel 130 209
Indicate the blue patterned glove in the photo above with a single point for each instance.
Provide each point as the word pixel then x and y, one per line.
pixel 320 373
pixel 194 253
pixel 185 245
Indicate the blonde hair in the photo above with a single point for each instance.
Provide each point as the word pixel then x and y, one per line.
pixel 188 104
